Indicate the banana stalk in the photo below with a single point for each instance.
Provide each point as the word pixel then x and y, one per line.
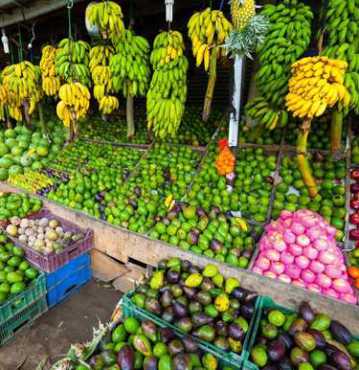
pixel 303 163
pixel 129 117
pixel 336 129
pixel 211 84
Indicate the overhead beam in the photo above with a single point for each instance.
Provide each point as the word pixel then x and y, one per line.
pixel 36 9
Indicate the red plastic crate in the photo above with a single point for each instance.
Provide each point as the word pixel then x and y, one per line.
pixel 53 261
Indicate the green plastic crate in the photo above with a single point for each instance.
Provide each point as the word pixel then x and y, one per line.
pixel 230 358
pixel 19 302
pixel 21 319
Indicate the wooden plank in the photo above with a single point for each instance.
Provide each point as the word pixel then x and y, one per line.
pixel 119 242
pixel 129 280
pixel 106 268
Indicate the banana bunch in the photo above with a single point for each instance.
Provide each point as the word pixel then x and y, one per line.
pixel 261 112
pixel 316 84
pixel 101 77
pixel 342 22
pixel 288 37
pixel 107 17
pixel 108 104
pixel 342 29
pixel 72 61
pixel 130 66
pixel 31 181
pixel 74 103
pixel 100 55
pixel 3 101
pixel 50 82
pixel 207 29
pixel 22 84
pixel 168 90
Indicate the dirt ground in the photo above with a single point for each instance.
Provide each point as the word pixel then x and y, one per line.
pixel 51 335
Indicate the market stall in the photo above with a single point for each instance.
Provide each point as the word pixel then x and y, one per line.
pixel 117 144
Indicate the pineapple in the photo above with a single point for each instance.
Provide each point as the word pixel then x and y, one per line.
pixel 242 12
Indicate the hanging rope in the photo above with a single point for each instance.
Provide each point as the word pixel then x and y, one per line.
pixel 20 51
pixel 70 5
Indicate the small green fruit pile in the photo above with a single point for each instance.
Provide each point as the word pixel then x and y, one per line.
pixel 210 234
pixel 249 191
pixel 200 302
pixel 15 272
pixel 17 205
pixel 291 193
pixel 355 151
pixel 22 149
pixel 136 344
pixel 305 341
pixel 259 135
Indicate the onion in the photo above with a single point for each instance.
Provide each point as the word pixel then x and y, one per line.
pixel 292 271
pixel 287 258
pixel 277 267
pixel 295 250
pixel 350 298
pixel 279 245
pixel 309 220
pixel 303 240
pixel 297 228
pixel 302 262
pixel 289 237
pixel 285 215
pixel 317 267
pixel 314 233
pixel 341 285
pixel 307 276
pixel 327 258
pixel 263 263
pixel 331 293
pixel 299 283
pixel 331 231
pixel 272 254
pixel 324 281
pixel 321 244
pixel 333 271
pixel 310 252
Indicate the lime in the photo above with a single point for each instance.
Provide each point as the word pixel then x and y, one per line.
pixel 159 349
pixel 131 325
pixel 276 318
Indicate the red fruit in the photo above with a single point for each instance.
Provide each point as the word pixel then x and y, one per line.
pixel 354 203
pixel 354 218
pixel 354 234
pixel 355 174
pixel 354 188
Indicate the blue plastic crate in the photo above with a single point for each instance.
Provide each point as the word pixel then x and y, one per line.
pixel 68 279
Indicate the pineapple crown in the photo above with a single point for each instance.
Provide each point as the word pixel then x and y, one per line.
pixel 245 42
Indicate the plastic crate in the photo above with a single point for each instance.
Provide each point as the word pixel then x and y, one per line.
pixel 53 261
pixel 22 319
pixel 19 302
pixel 68 280
pixel 130 309
pixel 263 303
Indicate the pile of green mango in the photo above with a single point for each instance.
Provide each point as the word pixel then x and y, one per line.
pixel 200 302
pixel 17 205
pixel 305 341
pixel 212 234
pixel 15 272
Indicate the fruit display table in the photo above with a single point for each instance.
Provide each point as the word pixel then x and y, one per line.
pixel 124 246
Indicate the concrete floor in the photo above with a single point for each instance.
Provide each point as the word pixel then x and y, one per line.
pixel 51 335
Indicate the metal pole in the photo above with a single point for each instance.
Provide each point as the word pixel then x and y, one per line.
pixel 236 101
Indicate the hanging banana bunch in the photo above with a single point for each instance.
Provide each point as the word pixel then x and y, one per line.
pixel 101 77
pixel 107 17
pixel 287 39
pixel 316 85
pixel 4 97
pixel 72 61
pixel 22 89
pixel 50 82
pixel 168 89
pixel 130 71
pixel 208 30
pixel 342 31
pixel 73 105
